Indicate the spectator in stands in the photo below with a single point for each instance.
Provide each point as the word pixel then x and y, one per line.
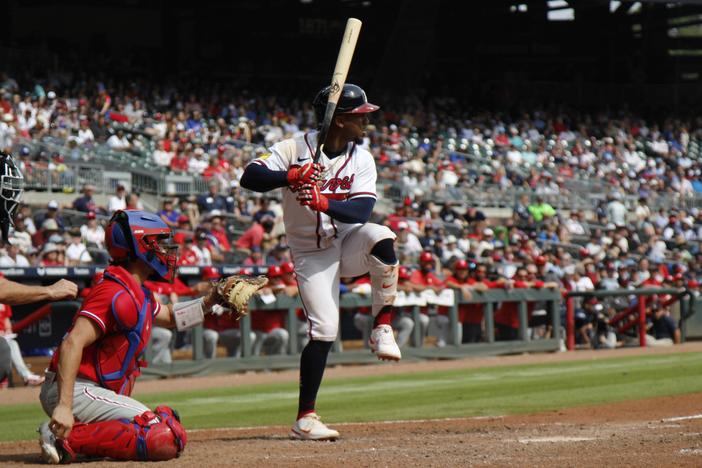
pixel 11 256
pixel 119 141
pixel 6 335
pixel 520 212
pixel 255 258
pixel 20 235
pixel 118 201
pixel 52 212
pixel 218 231
pixel 91 232
pixel 169 215
pixel 540 210
pixel 134 201
pixel 662 329
pixel 255 235
pixel 616 210
pixel 85 134
pixel 161 156
pixel 212 200
pixel 425 279
pixel 407 244
pixel 269 325
pixel 86 203
pixel 50 256
pixel 451 252
pixel 202 249
pixel 76 253
pixel 263 210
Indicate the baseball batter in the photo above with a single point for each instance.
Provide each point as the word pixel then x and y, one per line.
pixel 326 211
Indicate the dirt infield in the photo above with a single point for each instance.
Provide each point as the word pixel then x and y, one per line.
pixel 663 431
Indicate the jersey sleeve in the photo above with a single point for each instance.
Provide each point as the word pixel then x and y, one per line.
pixel 279 156
pixel 97 307
pixel 366 176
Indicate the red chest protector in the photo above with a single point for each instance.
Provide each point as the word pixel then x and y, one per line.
pixel 118 355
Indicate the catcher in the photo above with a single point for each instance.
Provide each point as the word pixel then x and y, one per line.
pixel 88 383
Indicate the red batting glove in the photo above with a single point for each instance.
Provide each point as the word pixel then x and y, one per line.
pixel 309 195
pixel 304 175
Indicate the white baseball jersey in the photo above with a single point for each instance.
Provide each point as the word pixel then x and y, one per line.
pixel 347 176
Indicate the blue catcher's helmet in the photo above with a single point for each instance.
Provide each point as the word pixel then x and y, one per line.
pixel 138 235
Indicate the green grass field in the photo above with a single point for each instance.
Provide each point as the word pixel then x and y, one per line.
pixel 457 393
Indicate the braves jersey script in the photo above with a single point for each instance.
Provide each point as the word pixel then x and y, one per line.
pixel 347 176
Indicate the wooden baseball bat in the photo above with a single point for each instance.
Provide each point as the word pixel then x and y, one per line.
pixel 343 62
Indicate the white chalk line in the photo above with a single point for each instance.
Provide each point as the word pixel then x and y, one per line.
pixel 350 424
pixel 533 440
pixel 683 418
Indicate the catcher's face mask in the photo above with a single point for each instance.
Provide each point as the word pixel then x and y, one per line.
pixel 11 188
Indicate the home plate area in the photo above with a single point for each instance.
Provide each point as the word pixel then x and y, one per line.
pixel 653 432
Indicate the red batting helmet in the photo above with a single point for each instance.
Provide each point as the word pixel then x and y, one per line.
pixel 210 273
pixel 426 257
pixel 287 267
pixel 460 265
pixel 403 273
pixel 274 271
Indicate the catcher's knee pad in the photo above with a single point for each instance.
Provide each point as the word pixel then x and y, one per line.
pixel 156 436
pixel 383 283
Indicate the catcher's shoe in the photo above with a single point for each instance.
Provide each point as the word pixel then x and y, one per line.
pixel 310 427
pixel 47 441
pixel 382 343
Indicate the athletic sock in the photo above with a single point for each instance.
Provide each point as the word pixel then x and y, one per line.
pixel 384 317
pixel 312 363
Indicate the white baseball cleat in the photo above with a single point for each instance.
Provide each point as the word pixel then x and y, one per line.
pixel 382 343
pixel 47 442
pixel 310 427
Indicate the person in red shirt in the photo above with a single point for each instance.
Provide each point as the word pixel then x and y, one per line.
pixel 183 231
pixel 470 316
pixel 507 315
pixel 269 325
pixel 253 236
pixel 29 377
pixel 91 375
pixel 219 232
pixel 179 162
pixel 425 279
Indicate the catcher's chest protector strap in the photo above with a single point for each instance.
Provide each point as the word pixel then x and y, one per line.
pixel 188 314
pixel 154 436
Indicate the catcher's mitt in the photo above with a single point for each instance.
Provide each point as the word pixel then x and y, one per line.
pixel 236 291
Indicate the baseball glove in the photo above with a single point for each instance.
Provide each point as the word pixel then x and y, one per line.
pixel 235 291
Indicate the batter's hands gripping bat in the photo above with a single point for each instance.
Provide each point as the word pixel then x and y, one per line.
pixel 343 62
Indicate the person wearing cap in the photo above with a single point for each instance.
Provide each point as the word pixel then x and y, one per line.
pixel 424 278
pixel 407 244
pixel 77 253
pixel 202 249
pixel 470 316
pixel 507 314
pixel 85 202
pixel 212 200
pixel 269 325
pixel 118 201
pixel 451 252
pixel 183 230
pixel 263 210
pixel 169 215
pixel 218 231
pixel 52 212
pixel 92 233
pixel 662 330
pixel 50 256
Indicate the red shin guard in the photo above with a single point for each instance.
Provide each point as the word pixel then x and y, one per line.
pixel 154 436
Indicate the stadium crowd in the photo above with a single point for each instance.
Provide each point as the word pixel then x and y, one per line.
pixel 422 148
